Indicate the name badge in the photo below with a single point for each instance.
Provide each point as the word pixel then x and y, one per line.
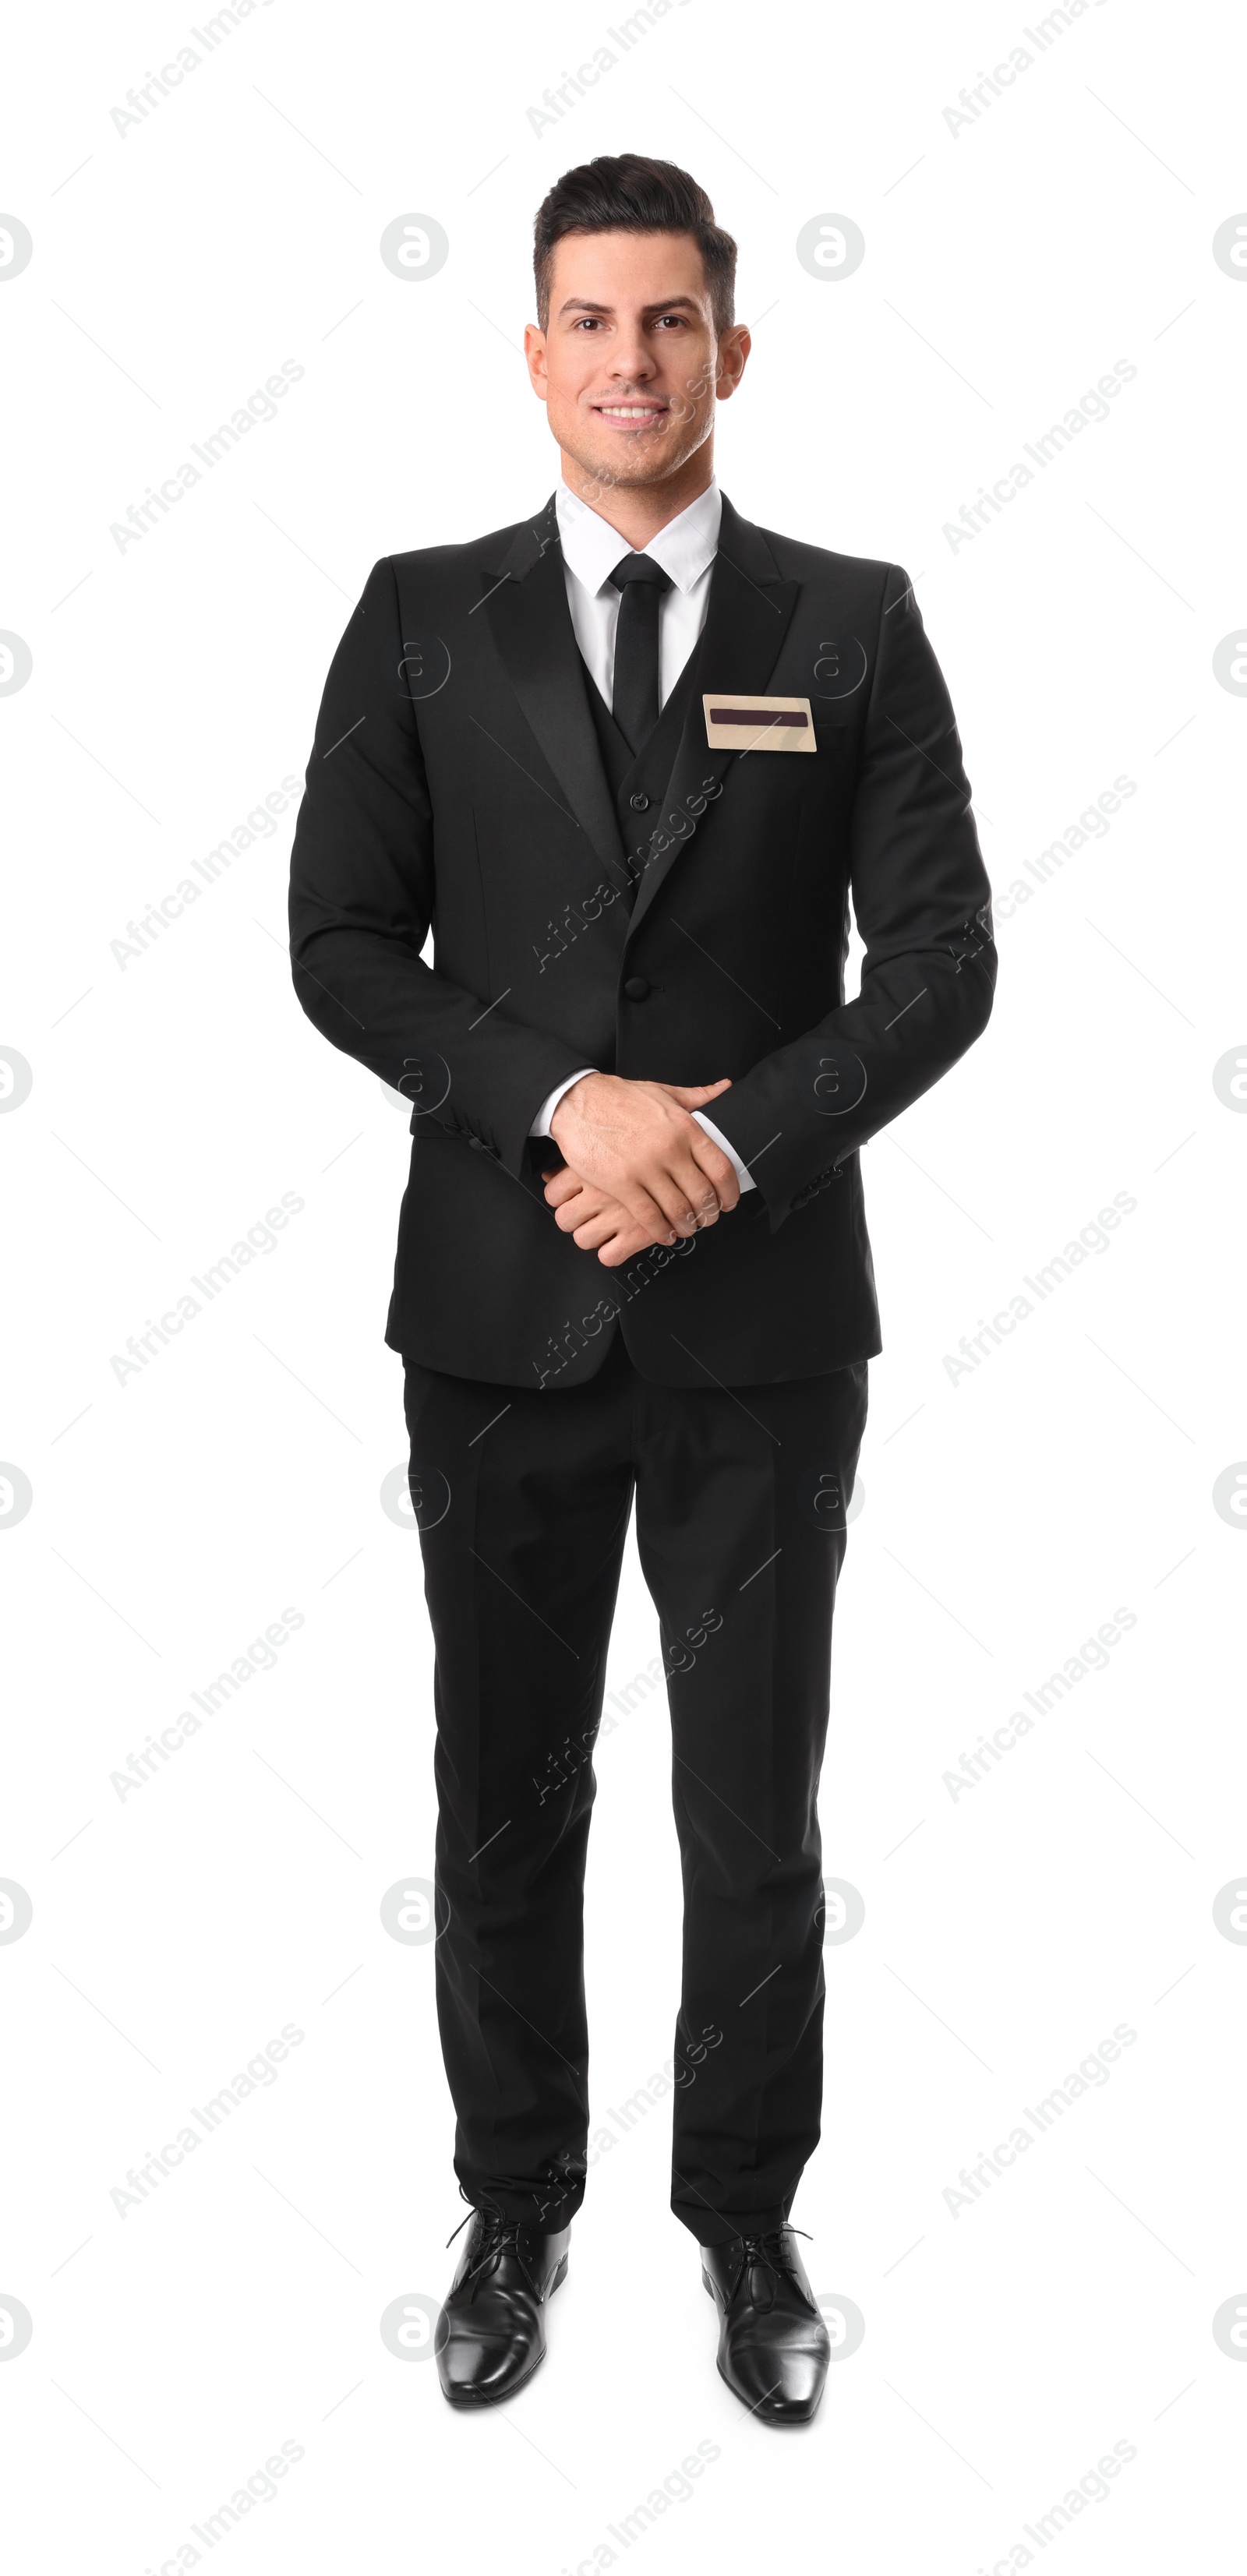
pixel 735 723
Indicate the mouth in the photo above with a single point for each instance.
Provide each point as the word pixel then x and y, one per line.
pixel 631 415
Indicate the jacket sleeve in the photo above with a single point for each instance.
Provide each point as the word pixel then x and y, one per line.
pixel 362 895
pixel 923 908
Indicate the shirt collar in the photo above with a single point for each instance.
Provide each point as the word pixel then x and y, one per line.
pixel 684 547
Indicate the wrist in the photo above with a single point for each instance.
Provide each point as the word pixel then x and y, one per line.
pixel 577 1092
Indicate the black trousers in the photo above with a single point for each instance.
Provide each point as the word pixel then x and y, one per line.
pixel 523 1498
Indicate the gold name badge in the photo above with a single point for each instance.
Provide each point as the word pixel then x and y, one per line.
pixel 736 723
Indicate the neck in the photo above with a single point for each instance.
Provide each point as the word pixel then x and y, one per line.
pixel 638 511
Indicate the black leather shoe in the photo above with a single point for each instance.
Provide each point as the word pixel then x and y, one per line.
pixel 491 2336
pixel 773 2345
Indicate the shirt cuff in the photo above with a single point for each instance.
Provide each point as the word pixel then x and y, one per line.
pixel 541 1123
pixel 742 1171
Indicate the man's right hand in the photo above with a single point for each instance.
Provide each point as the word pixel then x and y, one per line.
pixel 596 1222
pixel 638 1143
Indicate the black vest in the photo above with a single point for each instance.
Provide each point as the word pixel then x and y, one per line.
pixel 639 781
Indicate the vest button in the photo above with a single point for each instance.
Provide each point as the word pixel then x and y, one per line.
pixel 637 988
pixel 639 804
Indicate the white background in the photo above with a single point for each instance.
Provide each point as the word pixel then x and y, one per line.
pixel 1007 1513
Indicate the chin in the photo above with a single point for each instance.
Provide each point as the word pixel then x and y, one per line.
pixel 629 468
pixel 630 474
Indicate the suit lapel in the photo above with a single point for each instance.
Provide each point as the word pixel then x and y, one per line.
pixel 748 616
pixel 526 605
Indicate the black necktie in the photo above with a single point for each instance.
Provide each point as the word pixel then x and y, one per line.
pixel 641 583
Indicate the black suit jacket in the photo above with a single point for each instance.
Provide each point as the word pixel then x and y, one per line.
pixel 689 922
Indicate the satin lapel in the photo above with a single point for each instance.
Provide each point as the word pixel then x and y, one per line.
pixel 528 612
pixel 748 616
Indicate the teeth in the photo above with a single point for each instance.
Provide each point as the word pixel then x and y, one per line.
pixel 629 411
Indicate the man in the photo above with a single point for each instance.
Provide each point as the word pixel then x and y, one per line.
pixel 630 758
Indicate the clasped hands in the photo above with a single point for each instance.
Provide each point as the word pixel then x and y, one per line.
pixel 639 1169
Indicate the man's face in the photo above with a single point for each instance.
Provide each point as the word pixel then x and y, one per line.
pixel 629 366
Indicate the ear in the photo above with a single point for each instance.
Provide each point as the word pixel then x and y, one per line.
pixel 535 355
pixel 734 348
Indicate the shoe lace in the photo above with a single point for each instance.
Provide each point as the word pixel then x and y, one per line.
pixel 499 2235
pixel 766 2249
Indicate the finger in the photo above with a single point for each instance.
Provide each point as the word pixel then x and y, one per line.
pixel 694 1095
pixel 676 1204
pixel 648 1209
pixel 596 1227
pixel 633 1209
pixel 572 1189
pixel 712 1184
pixel 600 1229
pixel 684 1188
pixel 584 1209
pixel 670 1180
pixel 622 1247
pixel 565 1184
pixel 720 1173
pixel 636 1238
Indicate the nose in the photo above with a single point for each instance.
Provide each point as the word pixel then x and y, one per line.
pixel 632 362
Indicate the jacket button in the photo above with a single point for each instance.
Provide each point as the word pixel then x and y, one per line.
pixel 637 988
pixel 639 804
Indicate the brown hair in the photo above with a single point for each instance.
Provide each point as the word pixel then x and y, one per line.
pixel 628 193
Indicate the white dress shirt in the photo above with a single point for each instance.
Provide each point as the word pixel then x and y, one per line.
pixel 686 549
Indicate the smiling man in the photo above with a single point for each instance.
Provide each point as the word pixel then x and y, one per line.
pixel 632 759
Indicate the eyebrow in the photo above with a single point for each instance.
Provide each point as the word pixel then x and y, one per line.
pixel 668 304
